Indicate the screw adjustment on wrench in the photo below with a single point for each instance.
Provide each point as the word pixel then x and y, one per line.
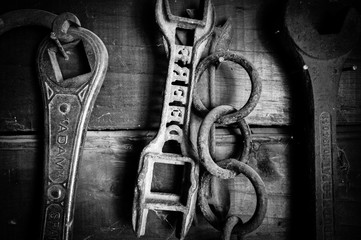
pixel 174 126
pixel 69 89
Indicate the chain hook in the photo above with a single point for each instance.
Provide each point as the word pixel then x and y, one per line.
pixel 60 27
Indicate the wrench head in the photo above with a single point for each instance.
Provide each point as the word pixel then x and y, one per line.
pixel 322 29
pixel 169 22
pixel 148 198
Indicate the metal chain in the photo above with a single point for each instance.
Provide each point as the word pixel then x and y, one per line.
pixel 229 168
pixel 222 56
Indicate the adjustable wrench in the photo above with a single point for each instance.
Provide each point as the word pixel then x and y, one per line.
pixel 322 52
pixel 174 125
pixel 69 95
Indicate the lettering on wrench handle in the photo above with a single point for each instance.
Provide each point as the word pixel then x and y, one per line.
pixel 69 96
pixel 183 60
pixel 322 55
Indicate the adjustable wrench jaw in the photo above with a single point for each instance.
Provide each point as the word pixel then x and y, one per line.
pixel 68 103
pixel 322 55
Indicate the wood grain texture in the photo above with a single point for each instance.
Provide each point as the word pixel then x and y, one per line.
pixel 108 170
pixel 106 181
pixel 131 96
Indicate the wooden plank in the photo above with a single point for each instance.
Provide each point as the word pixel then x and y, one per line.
pixel 131 96
pixel 105 189
pixel 108 171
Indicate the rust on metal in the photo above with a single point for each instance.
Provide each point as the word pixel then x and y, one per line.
pixel 68 100
pixel 323 49
pixel 254 77
pixel 203 141
pixel 221 222
pixel 183 60
pixel 231 222
pixel 68 103
pixel 26 17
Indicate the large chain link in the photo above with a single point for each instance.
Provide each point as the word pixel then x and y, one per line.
pixel 203 141
pixel 229 168
pixel 219 57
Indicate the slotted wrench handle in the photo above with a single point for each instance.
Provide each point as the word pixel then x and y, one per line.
pixel 181 70
pixel 174 125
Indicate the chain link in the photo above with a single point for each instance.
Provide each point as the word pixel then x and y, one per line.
pixel 229 168
pixel 254 77
pixel 261 206
pixel 203 141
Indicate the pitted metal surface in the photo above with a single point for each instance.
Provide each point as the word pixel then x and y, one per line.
pixel 68 104
pixel 68 100
pixel 174 126
pixel 322 55
pixel 203 141
pixel 226 115
pixel 226 223
pixel 255 95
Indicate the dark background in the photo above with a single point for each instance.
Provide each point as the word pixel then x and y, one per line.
pixel 126 116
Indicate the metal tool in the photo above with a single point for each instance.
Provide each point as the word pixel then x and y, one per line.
pixel 174 125
pixel 68 101
pixel 69 95
pixel 218 41
pixel 227 169
pixel 228 223
pixel 322 51
pixel 25 17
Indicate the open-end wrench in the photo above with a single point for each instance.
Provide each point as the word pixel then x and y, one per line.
pixel 174 124
pixel 322 51
pixel 69 93
pixel 68 104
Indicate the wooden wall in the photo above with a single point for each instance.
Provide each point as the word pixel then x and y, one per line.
pixel 127 114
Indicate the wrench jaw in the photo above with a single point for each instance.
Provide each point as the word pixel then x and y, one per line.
pixel 68 101
pixel 168 24
pixel 174 126
pixel 322 57
pixel 301 27
pixel 146 199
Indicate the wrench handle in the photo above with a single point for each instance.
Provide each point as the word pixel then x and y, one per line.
pixel 68 104
pixel 325 172
pixel 324 76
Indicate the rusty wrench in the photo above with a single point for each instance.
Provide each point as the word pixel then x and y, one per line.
pixel 174 125
pixel 68 104
pixel 68 100
pixel 322 54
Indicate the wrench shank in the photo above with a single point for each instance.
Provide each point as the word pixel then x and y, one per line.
pixel 325 76
pixel 174 125
pixel 68 105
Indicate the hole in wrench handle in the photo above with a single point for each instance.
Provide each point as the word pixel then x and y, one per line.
pixel 76 65
pixel 69 92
